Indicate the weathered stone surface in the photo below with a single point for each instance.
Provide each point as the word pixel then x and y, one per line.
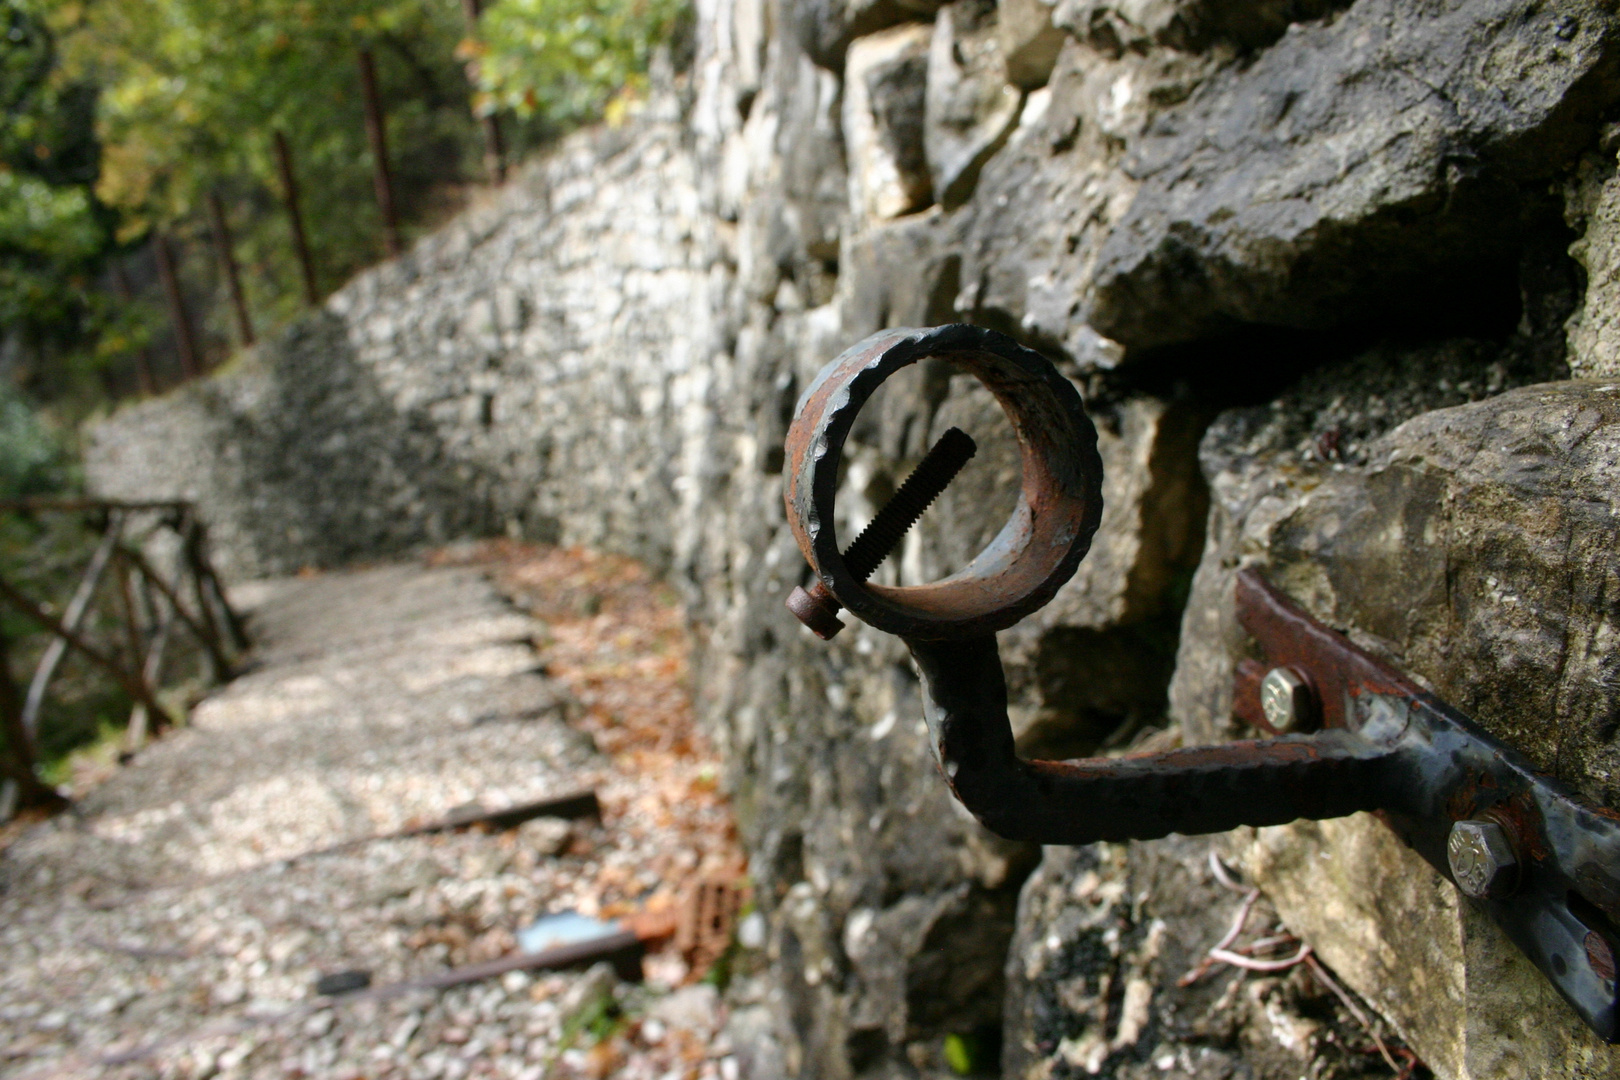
pixel 971 107
pixel 444 394
pixel 885 77
pixel 1472 549
pixel 824 28
pixel 1029 41
pixel 1365 162
pixel 1478 548
pixel 901 273
pixel 1594 209
pixel 1090 668
pixel 1106 935
pixel 1047 201
pixel 1112 26
pixel 255 448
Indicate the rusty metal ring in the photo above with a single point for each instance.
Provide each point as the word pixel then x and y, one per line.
pixel 1049 532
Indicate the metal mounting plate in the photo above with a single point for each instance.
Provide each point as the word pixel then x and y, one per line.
pixel 1565 911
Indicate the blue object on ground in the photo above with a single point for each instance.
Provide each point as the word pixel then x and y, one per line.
pixel 563 928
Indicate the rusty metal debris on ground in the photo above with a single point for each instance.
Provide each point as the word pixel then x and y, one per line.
pixel 701 931
pixel 623 950
pixel 1350 733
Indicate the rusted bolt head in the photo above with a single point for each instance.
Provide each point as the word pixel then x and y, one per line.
pixel 816 608
pixel 1482 859
pixel 1287 700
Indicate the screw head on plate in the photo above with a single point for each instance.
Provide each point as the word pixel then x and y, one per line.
pixel 1482 859
pixel 1287 700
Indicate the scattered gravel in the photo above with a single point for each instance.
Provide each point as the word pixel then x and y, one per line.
pixel 163 928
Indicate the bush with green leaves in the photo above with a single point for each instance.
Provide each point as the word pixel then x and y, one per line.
pixel 563 60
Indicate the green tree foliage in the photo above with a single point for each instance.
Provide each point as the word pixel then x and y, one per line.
pixel 564 60
pixel 193 90
pixel 120 116
pixel 33 456
pixel 52 230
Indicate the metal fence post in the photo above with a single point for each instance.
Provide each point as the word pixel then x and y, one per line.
pixel 377 136
pixel 227 258
pixel 185 343
pixel 295 217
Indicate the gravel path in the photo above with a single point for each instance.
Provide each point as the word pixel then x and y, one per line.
pixel 164 927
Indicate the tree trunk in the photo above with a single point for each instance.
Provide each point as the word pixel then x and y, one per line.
pixel 144 375
pixel 494 143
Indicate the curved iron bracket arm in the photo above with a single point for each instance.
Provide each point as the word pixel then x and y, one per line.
pixel 1391 748
pixel 1542 863
pixel 1202 790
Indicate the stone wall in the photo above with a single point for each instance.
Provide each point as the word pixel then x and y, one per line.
pixel 1308 262
pixel 545 366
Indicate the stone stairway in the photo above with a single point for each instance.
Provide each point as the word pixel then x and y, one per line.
pixel 169 920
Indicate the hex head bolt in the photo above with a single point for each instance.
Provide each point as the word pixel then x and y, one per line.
pixel 1288 701
pixel 1482 860
pixel 815 606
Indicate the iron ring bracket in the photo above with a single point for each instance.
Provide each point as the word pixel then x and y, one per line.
pixel 1384 744
pixel 1059 503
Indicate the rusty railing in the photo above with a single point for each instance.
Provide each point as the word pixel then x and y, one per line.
pixel 147 581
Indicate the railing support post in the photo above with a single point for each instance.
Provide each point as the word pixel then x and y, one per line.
pixel 295 217
pixel 185 342
pixel 377 135
pixel 227 259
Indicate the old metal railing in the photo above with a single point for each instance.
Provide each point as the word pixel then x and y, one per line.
pixel 147 582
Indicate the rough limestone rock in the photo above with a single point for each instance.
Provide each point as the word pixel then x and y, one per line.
pixel 825 28
pixel 1029 41
pixel 885 77
pixel 1370 160
pixel 1472 549
pixel 1047 201
pixel 1113 26
pixel 1593 205
pixel 971 106
pixel 1107 937
pixel 432 397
